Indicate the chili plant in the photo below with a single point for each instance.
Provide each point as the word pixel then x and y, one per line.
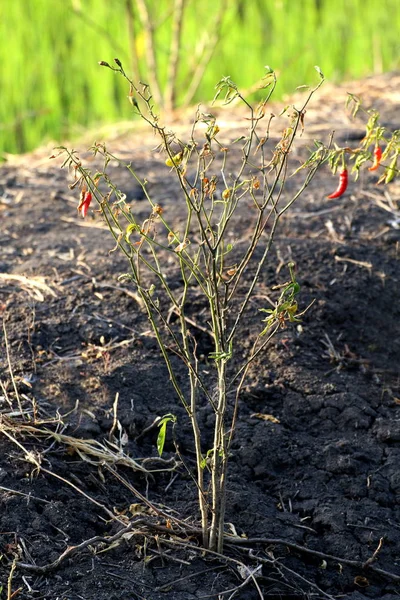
pixel 386 147
pixel 210 264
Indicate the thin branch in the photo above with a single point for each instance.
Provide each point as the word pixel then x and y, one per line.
pixel 72 550
pixel 202 63
pixel 237 541
pixel 218 555
pixel 130 17
pixel 298 576
pixel 11 370
pixel 99 29
pixel 31 458
pixel 152 70
pixel 173 66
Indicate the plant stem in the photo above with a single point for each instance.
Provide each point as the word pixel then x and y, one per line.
pixel 148 28
pixel 219 463
pixel 193 378
pixel 170 88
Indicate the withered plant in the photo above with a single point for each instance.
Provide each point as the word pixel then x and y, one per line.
pixel 214 196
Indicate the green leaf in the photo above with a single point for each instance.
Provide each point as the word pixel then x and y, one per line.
pixel 163 431
pixel 239 139
pixel 205 460
pixel 161 437
pixel 267 310
pixel 223 356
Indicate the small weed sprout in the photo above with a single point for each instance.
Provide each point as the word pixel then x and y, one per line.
pixel 211 266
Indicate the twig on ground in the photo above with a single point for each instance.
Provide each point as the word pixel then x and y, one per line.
pixel 161 513
pixel 374 556
pixel 389 207
pixel 11 594
pixel 166 586
pixel 130 580
pixel 33 459
pixel 84 448
pixel 298 576
pixel 11 371
pixel 358 263
pixel 222 557
pixel 236 541
pixel 233 591
pixel 35 286
pixel 29 496
pixel 90 224
pixel 72 550
pixel 190 321
pixel 124 290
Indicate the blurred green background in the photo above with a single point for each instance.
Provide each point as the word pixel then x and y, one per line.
pixel 52 87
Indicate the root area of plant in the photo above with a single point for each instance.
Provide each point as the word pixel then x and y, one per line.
pixel 88 510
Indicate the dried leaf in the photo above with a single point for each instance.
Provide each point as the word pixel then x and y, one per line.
pixel 264 417
pixel 361 581
pixel 35 286
pixel 243 571
pixel 182 246
pixel 138 509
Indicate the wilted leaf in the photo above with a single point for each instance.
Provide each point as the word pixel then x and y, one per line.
pixel 265 417
pixel 361 581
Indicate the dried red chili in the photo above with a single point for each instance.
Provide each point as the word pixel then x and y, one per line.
pixel 377 158
pixel 342 187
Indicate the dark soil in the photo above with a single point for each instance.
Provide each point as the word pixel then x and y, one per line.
pixel 323 476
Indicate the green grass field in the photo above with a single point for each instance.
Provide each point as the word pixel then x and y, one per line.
pixel 52 87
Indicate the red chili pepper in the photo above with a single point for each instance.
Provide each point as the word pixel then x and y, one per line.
pixel 85 203
pixel 377 158
pixel 343 181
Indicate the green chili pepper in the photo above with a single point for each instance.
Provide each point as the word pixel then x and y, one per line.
pixel 392 170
